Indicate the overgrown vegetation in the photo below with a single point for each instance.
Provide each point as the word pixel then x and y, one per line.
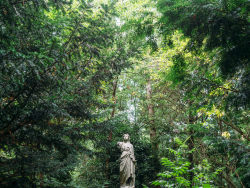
pixel 76 75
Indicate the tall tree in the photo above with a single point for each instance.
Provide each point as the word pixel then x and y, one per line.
pixel 52 66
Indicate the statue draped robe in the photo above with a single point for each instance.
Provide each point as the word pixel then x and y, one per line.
pixel 127 165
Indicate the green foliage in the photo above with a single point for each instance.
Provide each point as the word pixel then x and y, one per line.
pixel 218 25
pixel 54 57
pixel 177 73
pixel 60 60
pixel 176 170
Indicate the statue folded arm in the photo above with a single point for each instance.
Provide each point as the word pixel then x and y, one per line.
pixel 120 145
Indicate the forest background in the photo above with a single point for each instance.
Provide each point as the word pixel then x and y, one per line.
pixel 78 74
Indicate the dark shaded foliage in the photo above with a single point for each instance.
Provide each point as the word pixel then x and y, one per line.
pixel 51 67
pixel 219 25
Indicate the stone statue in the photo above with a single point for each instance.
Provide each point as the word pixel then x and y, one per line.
pixel 127 163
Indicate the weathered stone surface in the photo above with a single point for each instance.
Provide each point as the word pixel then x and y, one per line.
pixel 127 163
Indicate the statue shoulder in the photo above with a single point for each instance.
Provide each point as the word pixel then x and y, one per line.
pixel 131 145
pixel 119 144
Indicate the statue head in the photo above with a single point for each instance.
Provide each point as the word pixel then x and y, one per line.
pixel 126 137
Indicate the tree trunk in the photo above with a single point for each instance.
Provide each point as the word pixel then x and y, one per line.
pixel 151 117
pixel 114 97
pixel 229 181
pixel 153 130
pixel 110 136
pixel 191 147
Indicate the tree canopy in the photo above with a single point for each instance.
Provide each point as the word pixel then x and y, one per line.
pixel 75 75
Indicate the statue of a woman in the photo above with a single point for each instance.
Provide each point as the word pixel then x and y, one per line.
pixel 127 165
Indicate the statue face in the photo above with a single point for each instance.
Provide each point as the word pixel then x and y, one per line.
pixel 126 137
